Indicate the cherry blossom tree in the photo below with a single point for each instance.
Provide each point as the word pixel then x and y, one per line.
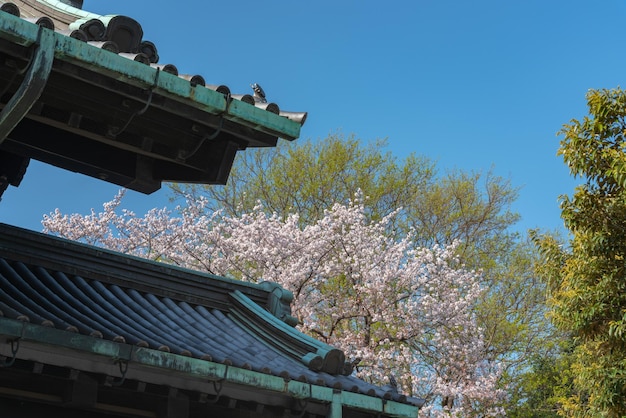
pixel 403 311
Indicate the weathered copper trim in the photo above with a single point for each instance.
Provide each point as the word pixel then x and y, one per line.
pixel 32 85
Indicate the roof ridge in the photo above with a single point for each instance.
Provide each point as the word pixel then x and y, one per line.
pixel 109 266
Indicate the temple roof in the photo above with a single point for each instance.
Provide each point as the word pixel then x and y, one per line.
pixel 87 93
pixel 91 309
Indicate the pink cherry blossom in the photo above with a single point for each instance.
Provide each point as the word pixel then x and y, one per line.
pixel 401 310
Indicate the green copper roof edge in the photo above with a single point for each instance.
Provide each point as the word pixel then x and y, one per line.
pixel 17 30
pixel 297 389
pixel 77 52
pixel 279 298
pixel 124 69
pixel 247 113
pixel 198 368
pixel 52 336
pixel 31 87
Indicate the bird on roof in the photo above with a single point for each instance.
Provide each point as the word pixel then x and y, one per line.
pixel 259 94
pixel 393 382
pixel 392 386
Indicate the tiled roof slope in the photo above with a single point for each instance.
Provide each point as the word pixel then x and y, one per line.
pixel 58 293
pixel 87 93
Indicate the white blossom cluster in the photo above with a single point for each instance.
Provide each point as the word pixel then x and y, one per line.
pixel 400 310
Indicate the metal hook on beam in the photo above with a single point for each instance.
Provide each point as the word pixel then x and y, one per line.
pixel 15 347
pixel 123 365
pixel 184 156
pixel 32 85
pixel 302 404
pixel 218 385
pixel 116 132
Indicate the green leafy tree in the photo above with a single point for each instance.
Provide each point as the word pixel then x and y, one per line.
pixel 545 388
pixel 587 277
pixel 308 177
pixel 472 208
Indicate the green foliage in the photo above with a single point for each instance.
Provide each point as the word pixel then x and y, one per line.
pixel 545 387
pixel 308 177
pixel 513 310
pixel 587 279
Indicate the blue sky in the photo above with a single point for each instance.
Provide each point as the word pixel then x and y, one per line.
pixel 472 85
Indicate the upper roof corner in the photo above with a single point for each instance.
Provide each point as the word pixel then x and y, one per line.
pixel 151 123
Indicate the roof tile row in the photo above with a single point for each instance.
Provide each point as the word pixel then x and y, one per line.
pixel 72 303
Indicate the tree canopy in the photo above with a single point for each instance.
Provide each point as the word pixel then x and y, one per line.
pixel 307 177
pixel 587 275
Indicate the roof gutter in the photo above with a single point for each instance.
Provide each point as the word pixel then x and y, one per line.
pixel 32 85
pixel 206 376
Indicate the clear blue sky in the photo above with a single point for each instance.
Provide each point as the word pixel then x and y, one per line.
pixel 472 85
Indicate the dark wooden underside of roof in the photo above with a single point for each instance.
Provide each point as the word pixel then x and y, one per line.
pixel 106 128
pixel 35 389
